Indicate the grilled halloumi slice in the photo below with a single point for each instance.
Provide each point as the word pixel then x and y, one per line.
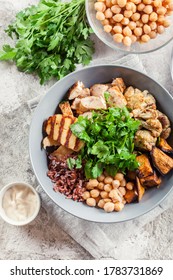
pixel 58 128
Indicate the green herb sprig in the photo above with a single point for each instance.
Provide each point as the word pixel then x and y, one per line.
pixel 52 38
pixel 109 141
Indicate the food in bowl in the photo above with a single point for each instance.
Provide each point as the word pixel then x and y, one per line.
pixel 102 147
pixel 135 20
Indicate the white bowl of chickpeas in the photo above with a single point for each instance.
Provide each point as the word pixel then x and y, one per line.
pixel 135 26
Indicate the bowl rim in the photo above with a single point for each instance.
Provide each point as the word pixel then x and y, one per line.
pixel 33 165
pixel 2 212
pixel 119 48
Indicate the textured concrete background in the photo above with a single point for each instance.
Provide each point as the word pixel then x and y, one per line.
pixel 153 241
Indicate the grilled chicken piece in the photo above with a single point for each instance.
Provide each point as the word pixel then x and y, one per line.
pixel 116 98
pixel 92 103
pixel 78 90
pixel 65 108
pixel 61 152
pixel 75 104
pixel 154 126
pixel 135 98
pixel 145 113
pixel 119 83
pixel 98 90
pixel 58 128
pixel 149 99
pixel 144 140
pixel 49 142
pixel 165 125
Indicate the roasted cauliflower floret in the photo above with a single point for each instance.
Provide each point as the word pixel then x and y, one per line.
pixel 154 126
pixel 144 140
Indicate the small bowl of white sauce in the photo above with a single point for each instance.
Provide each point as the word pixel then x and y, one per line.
pixel 19 203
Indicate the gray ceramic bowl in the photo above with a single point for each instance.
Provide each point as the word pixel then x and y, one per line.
pixel 47 107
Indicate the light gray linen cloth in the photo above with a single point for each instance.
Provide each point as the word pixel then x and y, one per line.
pixel 107 241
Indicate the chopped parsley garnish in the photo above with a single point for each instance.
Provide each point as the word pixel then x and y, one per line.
pixel 109 141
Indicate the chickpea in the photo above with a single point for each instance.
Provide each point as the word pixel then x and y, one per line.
pixel 101 203
pixel 101 178
pixel 161 11
pixel 86 195
pixel 123 183
pixel 109 207
pixel 115 184
pixel 122 3
pixel 118 38
pixel 122 190
pixel 117 29
pixel 171 6
pixel 100 6
pixel 132 25
pixel 152 34
pixel 128 14
pixel 134 8
pixel 135 16
pixel 161 19
pixel 133 38
pixel 118 17
pixel 125 21
pixel 118 206
pixel 127 31
pixel 114 194
pixel 100 16
pixel 108 180
pixel 107 200
pixel 107 188
pixel 139 23
pixel 130 186
pixel 136 2
pixel 108 13
pixel 91 202
pixel 153 16
pixel 157 3
pixel 145 38
pixel 160 29
pixel 94 193
pixel 104 194
pixel 147 29
pixel 119 177
pixel 108 3
pixel 148 9
pixel 92 184
pixel 114 2
pixel 116 9
pixel 108 28
pixel 147 2
pixel 100 186
pixel 129 6
pixel 105 22
pixel 145 18
pixel 140 7
pixel 100 0
pixel 153 25
pixel 166 23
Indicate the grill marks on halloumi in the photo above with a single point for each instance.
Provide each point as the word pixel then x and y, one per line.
pixel 58 127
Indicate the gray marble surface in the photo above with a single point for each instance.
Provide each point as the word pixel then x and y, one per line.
pixel 152 241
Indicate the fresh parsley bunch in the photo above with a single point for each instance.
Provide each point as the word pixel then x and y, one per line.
pixel 52 38
pixel 109 141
